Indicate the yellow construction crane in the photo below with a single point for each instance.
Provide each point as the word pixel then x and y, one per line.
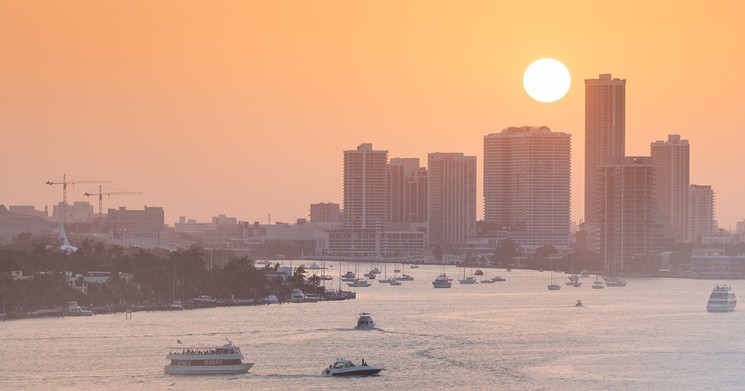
pixel 102 193
pixel 73 182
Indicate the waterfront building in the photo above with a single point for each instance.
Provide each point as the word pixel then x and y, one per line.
pixel 451 198
pixel 671 161
pixel 626 216
pixel 718 266
pixel 366 188
pixel 527 174
pixel 325 212
pixel 408 191
pixel 701 221
pixel 605 127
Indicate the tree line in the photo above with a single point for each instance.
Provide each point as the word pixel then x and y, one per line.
pixel 138 276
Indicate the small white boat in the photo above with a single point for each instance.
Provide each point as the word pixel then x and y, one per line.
pixel 73 309
pixel 721 299
pixel 404 277
pixel 375 270
pixel 343 367
pixel 271 299
pixel 442 281
pixel 365 322
pixel 176 306
pixel 226 359
pixel 297 296
pixel 359 283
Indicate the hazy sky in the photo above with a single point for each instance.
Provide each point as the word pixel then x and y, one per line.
pixel 244 107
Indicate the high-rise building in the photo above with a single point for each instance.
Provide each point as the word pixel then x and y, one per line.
pixel 325 212
pixel 626 217
pixel 671 168
pixel 408 191
pixel 452 198
pixel 366 188
pixel 701 212
pixel 527 185
pixel 605 129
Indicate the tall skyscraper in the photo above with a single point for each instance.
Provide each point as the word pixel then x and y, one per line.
pixel 527 185
pixel 366 188
pixel 626 213
pixel 701 220
pixel 408 191
pixel 605 129
pixel 452 198
pixel 671 167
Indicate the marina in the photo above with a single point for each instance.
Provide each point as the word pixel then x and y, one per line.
pixel 487 336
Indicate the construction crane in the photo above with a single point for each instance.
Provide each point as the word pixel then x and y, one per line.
pixel 64 184
pixel 102 193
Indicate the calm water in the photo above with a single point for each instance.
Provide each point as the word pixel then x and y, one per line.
pixel 652 334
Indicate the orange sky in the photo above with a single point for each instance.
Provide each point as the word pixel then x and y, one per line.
pixel 244 107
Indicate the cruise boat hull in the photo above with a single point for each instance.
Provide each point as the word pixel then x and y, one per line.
pixel 720 307
pixel 207 370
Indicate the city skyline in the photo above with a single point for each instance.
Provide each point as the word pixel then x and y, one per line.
pixel 237 115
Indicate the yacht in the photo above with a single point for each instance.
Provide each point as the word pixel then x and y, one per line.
pixel 226 359
pixel 442 281
pixel 365 322
pixel 297 296
pixel 343 367
pixel 73 309
pixel 359 283
pixel 721 299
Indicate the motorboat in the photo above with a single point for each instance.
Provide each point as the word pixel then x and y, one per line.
pixel 365 322
pixel 225 359
pixel 395 282
pixel 73 309
pixel 297 296
pixel 343 367
pixel 579 303
pixel 370 275
pixel 404 277
pixel 614 282
pixel 721 299
pixel 553 287
pixel 359 283
pixel 442 281
pixel 271 299
pixel 478 272
pixel 414 266
pixel 349 276
pixel 584 274
pixel 325 277
pixel 375 270
pixel 176 306
pixel 598 285
pixel 498 279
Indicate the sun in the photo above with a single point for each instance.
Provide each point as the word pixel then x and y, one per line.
pixel 546 80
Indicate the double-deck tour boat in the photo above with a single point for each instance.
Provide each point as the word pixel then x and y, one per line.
pixel 721 299
pixel 225 359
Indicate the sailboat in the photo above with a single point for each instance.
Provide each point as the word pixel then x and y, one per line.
pixel 552 286
pixel 467 280
pixel 485 279
pixel 598 284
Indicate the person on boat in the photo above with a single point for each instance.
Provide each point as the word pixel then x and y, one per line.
pixel 363 362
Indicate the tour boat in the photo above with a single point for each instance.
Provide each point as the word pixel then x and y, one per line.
pixel 343 367
pixel 73 309
pixel 721 299
pixel 226 359
pixel 365 322
pixel 442 281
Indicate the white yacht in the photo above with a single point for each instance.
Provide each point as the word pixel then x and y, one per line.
pixel 442 281
pixel 365 322
pixel 343 367
pixel 73 309
pixel 226 359
pixel 297 296
pixel 721 299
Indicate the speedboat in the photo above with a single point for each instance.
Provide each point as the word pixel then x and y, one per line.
pixel 226 359
pixel 343 367
pixel 365 322
pixel 441 281
pixel 73 309
pixel 721 299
